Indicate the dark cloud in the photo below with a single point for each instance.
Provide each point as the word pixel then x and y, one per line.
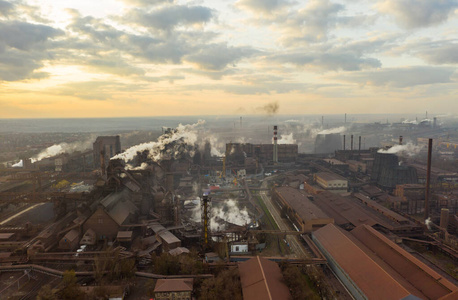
pixel 270 108
pixel 264 6
pixel 168 17
pixel 25 36
pixel 400 77
pixel 437 52
pixel 23 48
pixel 217 56
pixel 419 13
pixel 5 8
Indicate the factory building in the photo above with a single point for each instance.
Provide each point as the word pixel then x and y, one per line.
pixel 238 152
pixel 114 211
pixel 331 182
pixel 177 289
pixel 109 145
pixel 373 267
pixel 262 279
pixel 295 203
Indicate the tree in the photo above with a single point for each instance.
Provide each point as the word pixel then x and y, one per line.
pixel 46 293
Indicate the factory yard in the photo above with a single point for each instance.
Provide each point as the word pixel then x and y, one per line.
pixel 176 217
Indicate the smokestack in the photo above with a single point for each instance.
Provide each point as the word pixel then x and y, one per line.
pixel 322 121
pixel 445 214
pixel 435 122
pixel 351 143
pixel 359 144
pixel 428 178
pixel 275 158
pixel 344 142
pixel 400 140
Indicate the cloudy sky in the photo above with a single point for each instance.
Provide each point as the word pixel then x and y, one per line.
pixel 109 58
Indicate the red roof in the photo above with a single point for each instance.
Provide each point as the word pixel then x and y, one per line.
pixel 262 280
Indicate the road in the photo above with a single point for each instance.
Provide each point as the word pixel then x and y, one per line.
pixel 296 246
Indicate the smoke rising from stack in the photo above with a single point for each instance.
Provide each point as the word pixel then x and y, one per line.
pixel 287 139
pixel 333 130
pixel 174 144
pixel 63 148
pixel 408 149
pixel 271 108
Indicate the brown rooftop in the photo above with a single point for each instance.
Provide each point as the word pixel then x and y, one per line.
pixel 368 279
pixel 262 280
pixel 329 176
pixel 174 285
pixel 297 199
pixel 420 276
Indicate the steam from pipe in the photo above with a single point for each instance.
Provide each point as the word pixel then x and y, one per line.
pixel 19 164
pixel 63 148
pixel 408 149
pixel 174 144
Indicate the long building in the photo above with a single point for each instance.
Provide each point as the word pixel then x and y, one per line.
pixel 373 267
pixel 262 152
pixel 303 212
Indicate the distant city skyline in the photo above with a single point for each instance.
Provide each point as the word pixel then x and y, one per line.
pixel 119 58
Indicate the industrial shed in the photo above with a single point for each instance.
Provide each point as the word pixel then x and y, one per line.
pixel 331 182
pixel 262 280
pixel 305 214
pixel 70 241
pixel 417 277
pixel 358 272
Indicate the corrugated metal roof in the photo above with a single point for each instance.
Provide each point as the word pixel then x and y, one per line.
pixel 174 285
pixel 121 211
pixel 262 280
pixel 297 200
pixel 330 176
pixel 422 277
pixel 368 276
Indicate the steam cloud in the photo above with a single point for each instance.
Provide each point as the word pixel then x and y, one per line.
pixel 286 139
pixel 428 223
pixel 19 164
pixel 407 149
pixel 62 148
pixel 228 211
pixel 175 144
pixel 271 108
pixel 333 130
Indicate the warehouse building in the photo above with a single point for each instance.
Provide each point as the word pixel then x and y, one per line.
pixel 302 212
pixel 331 182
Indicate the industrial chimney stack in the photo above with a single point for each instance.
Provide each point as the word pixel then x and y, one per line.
pixel 275 158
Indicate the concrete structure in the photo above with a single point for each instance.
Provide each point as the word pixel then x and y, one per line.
pixel 295 203
pixel 387 172
pixel 363 278
pixel 109 145
pixel 177 289
pixel 262 280
pixel 331 182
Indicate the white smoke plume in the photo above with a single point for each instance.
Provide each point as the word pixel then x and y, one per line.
pixel 428 223
pixel 333 130
pixel 287 139
pixel 217 146
pixel 227 211
pixel 19 164
pixel 408 149
pixel 409 122
pixel 170 145
pixel 63 148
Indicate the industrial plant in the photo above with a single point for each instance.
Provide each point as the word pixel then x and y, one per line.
pixel 264 209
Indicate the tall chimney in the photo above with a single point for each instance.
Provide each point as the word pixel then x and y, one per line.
pixel 351 143
pixel 359 144
pixel 428 178
pixel 344 142
pixel 435 122
pixel 400 140
pixel 275 158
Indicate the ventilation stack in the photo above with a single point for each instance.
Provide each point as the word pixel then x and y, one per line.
pixel 344 142
pixel 359 144
pixel 205 206
pixel 275 158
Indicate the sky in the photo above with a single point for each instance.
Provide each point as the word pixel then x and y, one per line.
pixel 127 58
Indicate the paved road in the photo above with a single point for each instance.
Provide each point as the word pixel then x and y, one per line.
pixel 297 248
